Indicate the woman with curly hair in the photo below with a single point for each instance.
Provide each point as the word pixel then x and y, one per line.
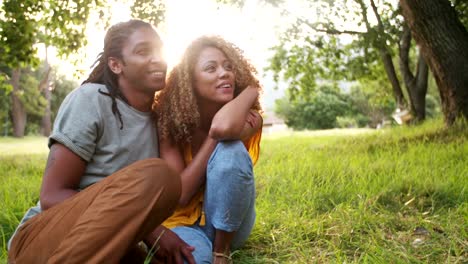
pixel 210 130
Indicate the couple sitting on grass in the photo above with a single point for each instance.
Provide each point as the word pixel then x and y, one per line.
pixel 130 171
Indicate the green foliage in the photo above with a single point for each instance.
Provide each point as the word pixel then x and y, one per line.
pixel 297 67
pixel 58 23
pixel 5 90
pixel 29 94
pixel 23 24
pixel 317 111
pixel 32 98
pixel 240 3
pixel 371 103
pixel 346 122
pixel 18 17
pixel 432 106
pixel 314 50
pixel 461 7
pixel 306 56
pixel 150 11
pixel 62 87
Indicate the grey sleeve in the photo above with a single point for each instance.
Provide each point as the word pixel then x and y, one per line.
pixel 77 124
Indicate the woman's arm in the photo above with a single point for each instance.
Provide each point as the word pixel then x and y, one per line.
pixel 230 121
pixel 193 175
pixel 62 175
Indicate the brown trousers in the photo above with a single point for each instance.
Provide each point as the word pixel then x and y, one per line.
pixel 102 223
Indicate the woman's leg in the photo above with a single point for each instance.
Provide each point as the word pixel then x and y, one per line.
pixel 195 237
pixel 229 196
pixel 102 222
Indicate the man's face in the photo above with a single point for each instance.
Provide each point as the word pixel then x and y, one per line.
pixel 143 67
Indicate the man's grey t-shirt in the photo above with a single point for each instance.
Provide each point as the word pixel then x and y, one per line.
pixel 87 126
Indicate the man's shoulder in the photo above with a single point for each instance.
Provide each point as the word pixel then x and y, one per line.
pixel 90 89
pixel 88 93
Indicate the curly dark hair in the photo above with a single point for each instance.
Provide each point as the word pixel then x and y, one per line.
pixel 175 107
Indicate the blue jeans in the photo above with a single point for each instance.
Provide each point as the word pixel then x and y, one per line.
pixel 229 201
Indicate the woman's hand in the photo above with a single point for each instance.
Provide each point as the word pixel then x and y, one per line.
pixel 253 123
pixel 252 118
pixel 229 122
pixel 169 248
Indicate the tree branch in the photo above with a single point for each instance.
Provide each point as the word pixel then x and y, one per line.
pixel 404 47
pixel 333 31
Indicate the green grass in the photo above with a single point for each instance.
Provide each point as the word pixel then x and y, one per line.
pixel 389 196
pixel 25 146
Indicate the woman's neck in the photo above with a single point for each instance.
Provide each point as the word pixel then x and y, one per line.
pixel 207 111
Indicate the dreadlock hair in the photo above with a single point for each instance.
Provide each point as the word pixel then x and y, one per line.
pixel 114 41
pixel 175 107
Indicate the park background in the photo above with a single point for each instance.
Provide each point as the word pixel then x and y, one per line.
pixel 365 148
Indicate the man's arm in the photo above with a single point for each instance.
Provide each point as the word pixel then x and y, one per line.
pixel 62 175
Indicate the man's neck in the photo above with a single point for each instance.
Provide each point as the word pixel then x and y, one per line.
pixel 141 102
pixel 137 99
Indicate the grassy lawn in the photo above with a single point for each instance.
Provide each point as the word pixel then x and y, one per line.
pixel 397 195
pixel 24 146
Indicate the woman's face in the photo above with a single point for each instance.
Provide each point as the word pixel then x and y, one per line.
pixel 214 78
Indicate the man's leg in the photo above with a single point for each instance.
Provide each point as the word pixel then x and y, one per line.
pixel 102 222
pixel 230 193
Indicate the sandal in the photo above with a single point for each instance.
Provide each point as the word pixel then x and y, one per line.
pixel 225 258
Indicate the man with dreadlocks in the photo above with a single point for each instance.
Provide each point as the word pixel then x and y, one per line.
pixel 104 188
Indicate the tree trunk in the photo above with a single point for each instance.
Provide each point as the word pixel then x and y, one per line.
pixel 443 40
pixel 419 91
pixel 386 56
pixel 47 119
pixel 392 77
pixel 18 111
pixel 44 87
pixel 415 85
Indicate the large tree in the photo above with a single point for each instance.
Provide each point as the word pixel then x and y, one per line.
pixel 24 24
pixel 443 40
pixel 377 30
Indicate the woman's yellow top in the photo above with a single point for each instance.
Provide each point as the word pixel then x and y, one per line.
pixel 188 215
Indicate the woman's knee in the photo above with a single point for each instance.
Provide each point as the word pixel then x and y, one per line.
pixel 230 157
pixel 230 147
pixel 197 239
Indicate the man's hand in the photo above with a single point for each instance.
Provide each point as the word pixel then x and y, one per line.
pixel 170 248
